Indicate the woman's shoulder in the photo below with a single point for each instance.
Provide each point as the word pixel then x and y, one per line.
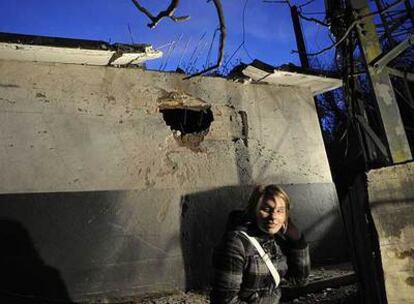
pixel 235 235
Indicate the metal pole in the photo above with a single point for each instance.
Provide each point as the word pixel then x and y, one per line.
pixel 387 104
pixel 300 42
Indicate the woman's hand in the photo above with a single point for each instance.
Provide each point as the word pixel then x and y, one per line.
pixel 298 255
pixel 291 231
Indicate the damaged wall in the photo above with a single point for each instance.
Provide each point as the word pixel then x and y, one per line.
pixel 391 199
pixel 116 203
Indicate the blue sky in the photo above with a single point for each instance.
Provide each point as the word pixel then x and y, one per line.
pixel 269 34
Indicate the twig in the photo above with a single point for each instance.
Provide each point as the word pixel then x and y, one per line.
pixel 164 45
pixel 170 51
pixel 211 46
pixel 200 52
pixel 277 1
pixel 311 19
pixel 130 34
pixel 223 35
pixel 232 55
pixel 168 13
pixel 306 3
pixel 183 52
pixel 189 63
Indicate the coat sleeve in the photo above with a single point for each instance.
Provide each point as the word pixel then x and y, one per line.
pixel 228 262
pixel 298 259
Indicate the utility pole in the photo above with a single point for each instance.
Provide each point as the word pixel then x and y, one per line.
pixel 300 42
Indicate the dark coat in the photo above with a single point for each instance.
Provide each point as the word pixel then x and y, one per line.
pixel 241 276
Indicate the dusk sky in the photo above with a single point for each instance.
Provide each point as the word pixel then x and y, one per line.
pixel 269 34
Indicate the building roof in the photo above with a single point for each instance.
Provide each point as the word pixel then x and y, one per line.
pixel 92 52
pixel 77 51
pixel 290 75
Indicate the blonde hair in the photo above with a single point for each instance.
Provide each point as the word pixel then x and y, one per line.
pixel 261 192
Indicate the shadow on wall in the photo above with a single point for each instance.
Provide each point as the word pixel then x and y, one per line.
pixel 24 277
pixel 109 244
pixel 204 217
pixel 203 221
pixel 98 241
pixel 329 244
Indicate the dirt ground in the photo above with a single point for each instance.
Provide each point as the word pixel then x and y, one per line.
pixel 335 284
pixel 342 295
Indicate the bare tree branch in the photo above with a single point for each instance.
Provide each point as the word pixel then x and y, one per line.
pixel 168 13
pixel 223 35
pixel 311 19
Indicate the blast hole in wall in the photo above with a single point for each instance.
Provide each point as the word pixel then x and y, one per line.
pixel 189 126
pixel 188 121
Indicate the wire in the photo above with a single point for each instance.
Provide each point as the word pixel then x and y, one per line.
pixel 244 29
pixel 335 44
pixel 352 25
pixel 383 10
pixel 242 44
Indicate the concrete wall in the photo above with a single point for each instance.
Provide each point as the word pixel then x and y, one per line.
pixel 391 199
pixel 94 182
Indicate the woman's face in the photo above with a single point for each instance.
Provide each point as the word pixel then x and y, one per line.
pixel 271 214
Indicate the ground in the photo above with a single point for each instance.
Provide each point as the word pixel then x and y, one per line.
pixel 334 284
pixel 342 295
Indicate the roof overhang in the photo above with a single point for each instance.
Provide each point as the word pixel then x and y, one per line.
pixel 75 51
pixel 260 72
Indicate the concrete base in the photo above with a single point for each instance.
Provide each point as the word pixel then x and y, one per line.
pixel 391 198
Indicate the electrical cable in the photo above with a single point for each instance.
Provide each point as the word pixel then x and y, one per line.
pixel 351 26
pixel 243 38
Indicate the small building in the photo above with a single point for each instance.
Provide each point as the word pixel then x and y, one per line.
pixel 117 181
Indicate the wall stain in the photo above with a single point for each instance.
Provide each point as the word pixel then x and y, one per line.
pixel 148 182
pixel 404 254
pixel 162 214
pixel 169 166
pixel 110 98
pixel 410 281
pixel 7 100
pixel 40 95
pixel 245 127
pixel 9 85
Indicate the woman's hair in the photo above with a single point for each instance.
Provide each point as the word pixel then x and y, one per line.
pixel 261 192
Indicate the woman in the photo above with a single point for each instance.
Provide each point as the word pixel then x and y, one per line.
pixel 241 274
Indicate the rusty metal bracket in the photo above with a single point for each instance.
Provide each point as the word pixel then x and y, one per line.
pixel 379 63
pixel 401 74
